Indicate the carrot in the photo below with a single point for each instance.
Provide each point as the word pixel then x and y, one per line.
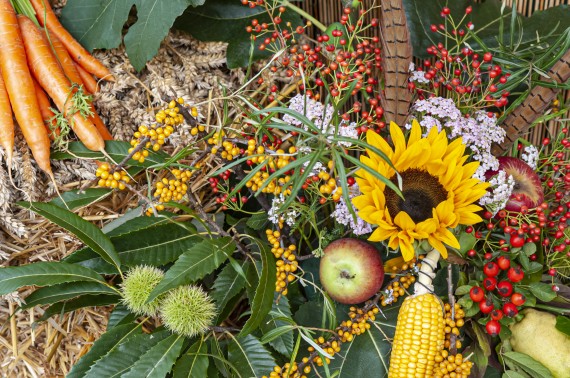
pixel 70 70
pixel 6 123
pixel 47 113
pixel 47 71
pixel 88 81
pixel 45 16
pixel 20 86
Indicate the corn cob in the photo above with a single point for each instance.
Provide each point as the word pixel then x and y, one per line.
pixel 420 328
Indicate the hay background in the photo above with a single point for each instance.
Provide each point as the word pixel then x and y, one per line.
pixel 192 70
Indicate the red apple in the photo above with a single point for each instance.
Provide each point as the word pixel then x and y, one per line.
pixel 528 188
pixel 351 270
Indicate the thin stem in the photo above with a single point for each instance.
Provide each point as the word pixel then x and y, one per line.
pixel 304 14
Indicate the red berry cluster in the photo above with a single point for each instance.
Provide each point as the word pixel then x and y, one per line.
pixel 497 297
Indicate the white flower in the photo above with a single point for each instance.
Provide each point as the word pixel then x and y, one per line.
pixel 418 76
pixel 502 187
pixel 288 216
pixel 343 216
pixel 530 156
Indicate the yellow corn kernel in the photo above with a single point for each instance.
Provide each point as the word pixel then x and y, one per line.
pixel 419 337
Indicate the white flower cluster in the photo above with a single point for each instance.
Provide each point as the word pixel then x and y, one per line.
pixel 321 116
pixel 478 132
pixel 502 187
pixel 417 76
pixel 275 216
pixel 530 156
pixel 343 216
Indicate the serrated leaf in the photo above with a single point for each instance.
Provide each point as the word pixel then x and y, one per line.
pixel 528 364
pixel 123 356
pixel 542 291
pixel 158 360
pixel 75 199
pixel 280 309
pixel 194 363
pixel 61 308
pixel 263 298
pixel 199 260
pixel 257 221
pixel 44 274
pixel 226 286
pixel 123 226
pixel 99 24
pixel 155 246
pixel 225 20
pixel 117 150
pixel 120 315
pixel 65 291
pixel 249 357
pixel 106 343
pixel 87 232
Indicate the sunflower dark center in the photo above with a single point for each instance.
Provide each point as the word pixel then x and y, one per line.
pixel 422 192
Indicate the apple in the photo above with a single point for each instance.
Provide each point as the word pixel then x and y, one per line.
pixel 528 188
pixel 351 270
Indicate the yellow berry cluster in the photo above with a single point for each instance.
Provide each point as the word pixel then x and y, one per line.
pixel 329 186
pixel 449 365
pixel 289 370
pixel 229 151
pixel 115 180
pixel 397 288
pixel 286 263
pixel 173 189
pixel 166 120
pixel 273 161
pixel 452 326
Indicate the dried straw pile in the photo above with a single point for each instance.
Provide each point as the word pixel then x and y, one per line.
pixel 183 68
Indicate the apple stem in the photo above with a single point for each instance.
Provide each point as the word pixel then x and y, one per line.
pixel 426 273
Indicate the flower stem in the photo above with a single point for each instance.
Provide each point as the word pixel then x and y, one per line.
pixel 304 14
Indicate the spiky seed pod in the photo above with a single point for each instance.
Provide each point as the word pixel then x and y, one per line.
pixel 136 287
pixel 187 310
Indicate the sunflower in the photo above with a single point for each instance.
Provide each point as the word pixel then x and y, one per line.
pixel 437 187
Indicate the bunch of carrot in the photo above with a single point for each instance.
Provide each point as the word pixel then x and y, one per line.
pixel 38 63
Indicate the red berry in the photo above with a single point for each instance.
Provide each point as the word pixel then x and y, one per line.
pixel 477 294
pixel 510 309
pixel 471 253
pixel 490 283
pixel 491 269
pixel 518 299
pixel 486 306
pixel 488 256
pixel 504 263
pixel 517 241
pixel 496 314
pixel 515 274
pixel 505 288
pixel 493 327
pixel 446 10
pixel 487 57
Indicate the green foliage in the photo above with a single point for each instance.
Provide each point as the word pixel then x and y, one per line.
pixel 66 291
pixel 527 363
pixel 194 363
pixel 139 282
pixel 280 316
pixel 75 199
pixel 227 285
pixel 249 357
pixel 158 360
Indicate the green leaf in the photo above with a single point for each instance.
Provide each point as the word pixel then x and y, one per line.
pixel 227 285
pixel 542 291
pixel 158 360
pixel 106 343
pixel 193 364
pixel 122 226
pixel 462 290
pixel 61 308
pixel 65 291
pixel 261 303
pixel 280 309
pixel 257 221
pixel 512 374
pixel 99 24
pixel 155 246
pixel 117 150
pixel 124 355
pixel 44 274
pixel 528 364
pixel 80 198
pixel 563 324
pixel 87 232
pixel 199 260
pixel 529 248
pixel 226 20
pixel 249 357
pixel 120 315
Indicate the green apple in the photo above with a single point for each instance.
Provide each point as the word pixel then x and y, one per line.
pixel 351 270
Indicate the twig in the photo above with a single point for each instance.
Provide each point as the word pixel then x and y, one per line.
pixel 13 328
pixel 219 329
pixel 142 143
pixel 451 300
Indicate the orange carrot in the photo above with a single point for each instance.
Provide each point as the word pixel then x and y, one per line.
pixel 6 123
pixel 47 71
pixel 45 16
pixel 70 70
pixel 47 113
pixel 88 81
pixel 20 86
